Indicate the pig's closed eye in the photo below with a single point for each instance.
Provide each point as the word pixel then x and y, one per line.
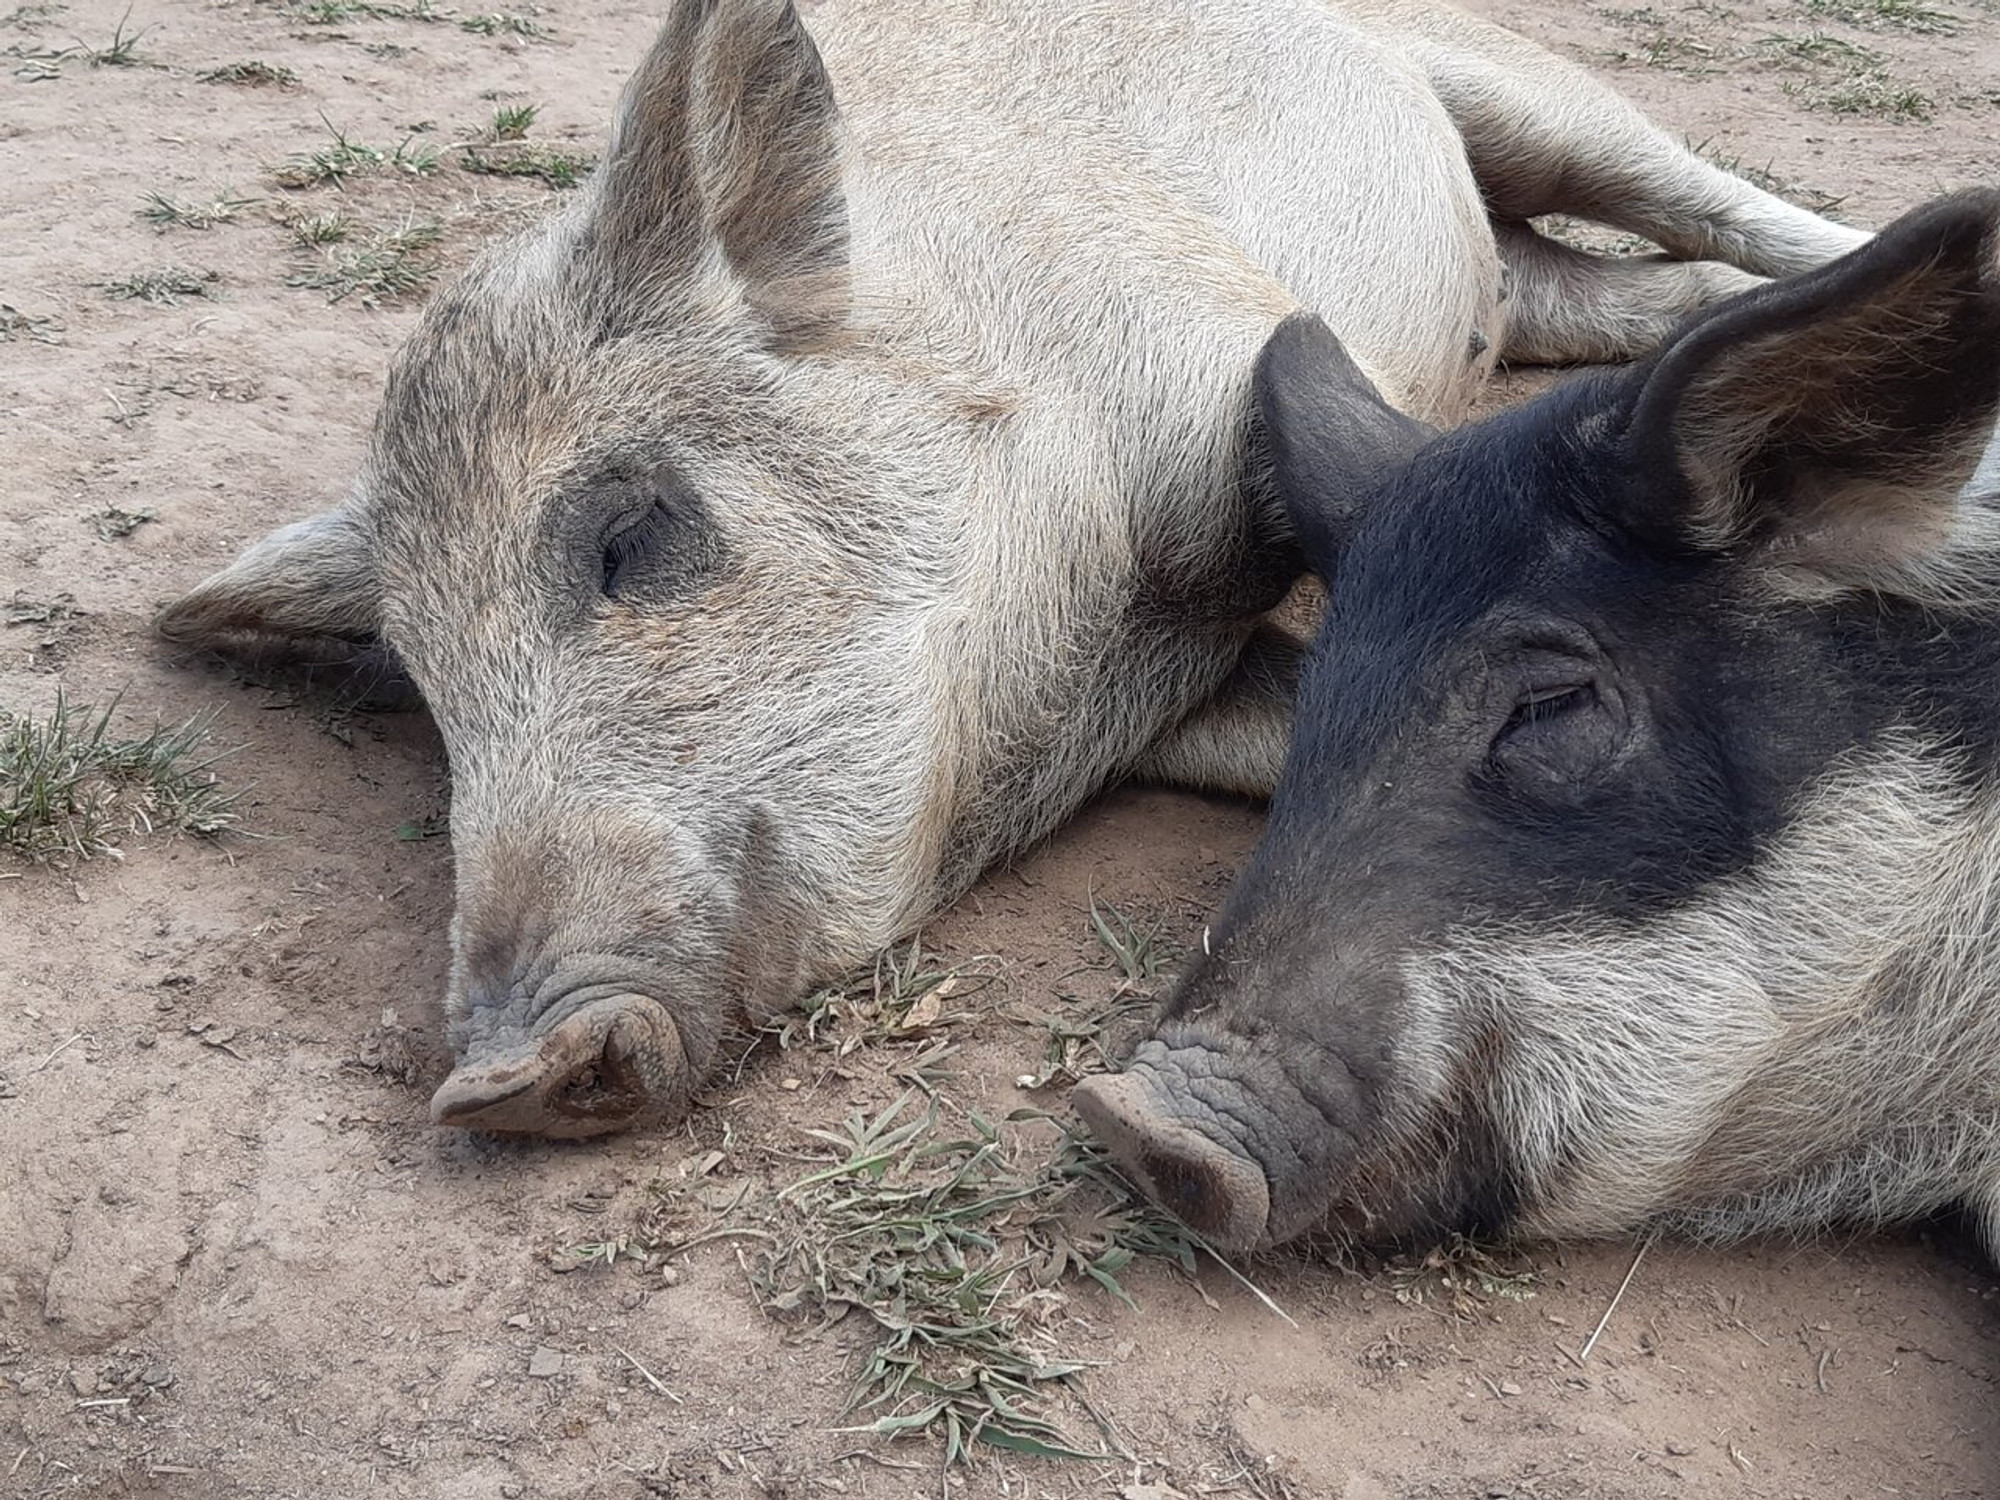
pixel 629 549
pixel 1543 704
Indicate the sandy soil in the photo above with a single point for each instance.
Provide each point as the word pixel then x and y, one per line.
pixel 235 1259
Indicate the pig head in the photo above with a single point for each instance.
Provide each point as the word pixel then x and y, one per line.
pixel 1636 856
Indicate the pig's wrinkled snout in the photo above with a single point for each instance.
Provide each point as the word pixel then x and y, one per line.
pixel 612 1064
pixel 1209 1186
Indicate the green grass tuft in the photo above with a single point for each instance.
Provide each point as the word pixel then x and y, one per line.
pixel 171 213
pixel 70 789
pixel 315 230
pixel 1846 78
pixel 122 51
pixel 344 157
pixel 389 266
pixel 511 122
pixel 1140 953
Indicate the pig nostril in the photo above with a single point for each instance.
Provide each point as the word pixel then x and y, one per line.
pixel 600 1090
pixel 1185 1190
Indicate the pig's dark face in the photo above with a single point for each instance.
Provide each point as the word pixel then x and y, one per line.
pixel 1586 667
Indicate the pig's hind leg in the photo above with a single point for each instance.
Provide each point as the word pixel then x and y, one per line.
pixel 1546 137
pixel 1567 306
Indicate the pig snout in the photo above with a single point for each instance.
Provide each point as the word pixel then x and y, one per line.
pixel 592 976
pixel 611 1063
pixel 1218 1133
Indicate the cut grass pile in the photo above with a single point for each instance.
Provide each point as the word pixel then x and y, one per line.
pixel 166 286
pixel 71 789
pixel 559 169
pixel 960 1255
pixel 902 997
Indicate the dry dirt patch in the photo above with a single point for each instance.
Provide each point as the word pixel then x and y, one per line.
pixel 235 1260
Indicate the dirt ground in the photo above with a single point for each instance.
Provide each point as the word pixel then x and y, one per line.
pixel 235 1259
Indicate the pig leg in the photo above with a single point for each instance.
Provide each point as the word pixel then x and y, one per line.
pixel 1236 741
pixel 1566 306
pixel 1545 137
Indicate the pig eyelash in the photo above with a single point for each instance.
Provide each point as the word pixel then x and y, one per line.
pixel 633 544
pixel 1541 704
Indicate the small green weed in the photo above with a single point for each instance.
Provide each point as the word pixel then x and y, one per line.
pixel 1820 49
pixel 172 213
pixel 559 169
pixel 391 265
pixel 344 157
pixel 511 122
pixel 1879 15
pixel 315 230
pixel 250 73
pixel 1139 953
pixel 502 23
pixel 165 287
pixel 70 789
pixel 122 51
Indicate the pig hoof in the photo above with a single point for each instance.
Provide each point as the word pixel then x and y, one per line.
pixel 1220 1194
pixel 614 1064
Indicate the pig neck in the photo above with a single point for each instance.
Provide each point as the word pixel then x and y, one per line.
pixel 1106 563
pixel 1813 1041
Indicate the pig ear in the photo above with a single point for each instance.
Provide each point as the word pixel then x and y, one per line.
pixel 314 579
pixel 1828 424
pixel 728 135
pixel 1330 435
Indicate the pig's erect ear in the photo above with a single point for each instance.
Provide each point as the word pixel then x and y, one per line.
pixel 728 135
pixel 1828 424
pixel 1330 435
pixel 312 580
